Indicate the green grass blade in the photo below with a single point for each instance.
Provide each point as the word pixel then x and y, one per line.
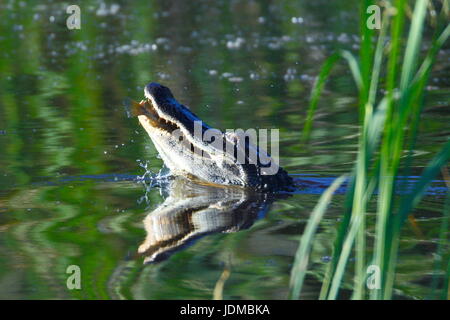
pixel 316 92
pixel 396 33
pixel 418 90
pixel 343 259
pixel 342 231
pixel 432 169
pixel 399 109
pixel 320 82
pixel 365 57
pixel 429 60
pixel 407 204
pixel 413 44
pixel 377 61
pixel 299 269
pixel 392 149
pixel 442 253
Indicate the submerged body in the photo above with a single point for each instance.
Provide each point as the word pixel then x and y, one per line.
pixel 179 136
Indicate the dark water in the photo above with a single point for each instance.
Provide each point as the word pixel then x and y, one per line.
pixel 70 158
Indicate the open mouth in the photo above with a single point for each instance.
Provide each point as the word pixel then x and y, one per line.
pixel 145 108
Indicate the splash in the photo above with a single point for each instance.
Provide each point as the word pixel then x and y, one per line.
pixel 151 179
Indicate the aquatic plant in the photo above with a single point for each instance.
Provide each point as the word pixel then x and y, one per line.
pixel 391 86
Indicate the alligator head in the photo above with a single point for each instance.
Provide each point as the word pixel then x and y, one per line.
pixel 191 211
pixel 189 147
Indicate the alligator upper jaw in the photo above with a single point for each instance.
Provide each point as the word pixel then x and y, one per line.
pixel 166 109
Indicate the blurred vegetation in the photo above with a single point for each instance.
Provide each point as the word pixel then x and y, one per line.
pixel 389 127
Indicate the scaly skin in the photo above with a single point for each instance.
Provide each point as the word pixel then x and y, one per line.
pixel 175 134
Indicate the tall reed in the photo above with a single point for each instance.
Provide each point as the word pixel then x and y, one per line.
pixel 389 109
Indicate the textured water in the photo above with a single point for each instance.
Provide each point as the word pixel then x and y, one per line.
pixel 70 158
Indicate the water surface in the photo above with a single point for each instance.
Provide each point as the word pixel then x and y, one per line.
pixel 70 158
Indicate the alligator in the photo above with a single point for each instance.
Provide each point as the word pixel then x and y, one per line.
pixel 191 211
pixel 179 137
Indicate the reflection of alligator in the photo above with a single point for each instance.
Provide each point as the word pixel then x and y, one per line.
pixel 191 148
pixel 192 210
